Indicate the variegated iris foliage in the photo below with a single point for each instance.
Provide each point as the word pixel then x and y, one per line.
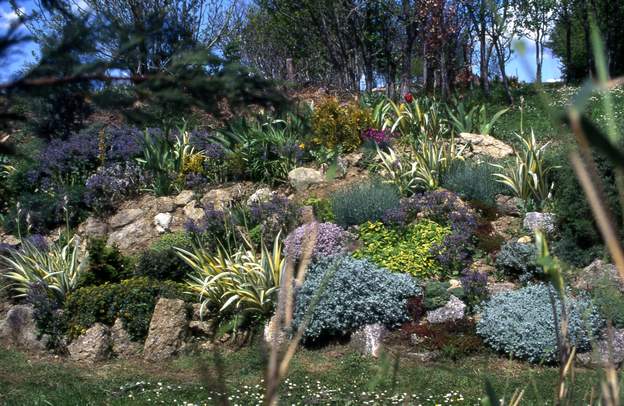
pixel 244 281
pixel 57 269
pixel 422 118
pixel 423 167
pixel 529 176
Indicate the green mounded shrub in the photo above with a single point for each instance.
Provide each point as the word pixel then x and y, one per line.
pixel 336 125
pixel 473 181
pixel 323 211
pixel 609 301
pixel 437 294
pixel 357 204
pixel 132 300
pixel 521 323
pixel 165 264
pixel 518 260
pixel 580 241
pixel 408 249
pixel 106 264
pixel 352 293
pixel 168 241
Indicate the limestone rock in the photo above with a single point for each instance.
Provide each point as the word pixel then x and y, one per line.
pixel 260 196
pixel 121 344
pixel 167 330
pixel 134 236
pixel 92 346
pixel 19 329
pixel 125 217
pixel 93 227
pixel 597 272
pixel 453 310
pixel 162 221
pixel 600 355
pixel 547 222
pixel 193 212
pixel 164 204
pixel 274 333
pixel 368 339
pixel 484 145
pixel 353 158
pixel 508 205
pixel 202 328
pixel 302 178
pixel 221 199
pixel 184 198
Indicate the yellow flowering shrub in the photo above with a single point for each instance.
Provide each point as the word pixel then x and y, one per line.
pixel 407 250
pixel 340 125
pixel 194 163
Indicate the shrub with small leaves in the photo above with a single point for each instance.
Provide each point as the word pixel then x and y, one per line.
pixel 162 264
pixel 609 301
pixel 363 202
pixel 132 300
pixel 521 323
pixel 518 260
pixel 106 264
pixel 437 294
pixel 335 125
pixel 323 211
pixel 351 293
pixel 410 249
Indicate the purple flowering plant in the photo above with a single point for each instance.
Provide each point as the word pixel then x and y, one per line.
pixel 331 239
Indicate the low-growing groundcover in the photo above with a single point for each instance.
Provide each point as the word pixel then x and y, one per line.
pixel 317 377
pixel 521 323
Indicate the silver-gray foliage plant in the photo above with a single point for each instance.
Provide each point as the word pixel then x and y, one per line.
pixel 353 293
pixel 521 323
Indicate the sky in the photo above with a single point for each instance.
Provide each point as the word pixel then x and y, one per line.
pixel 522 66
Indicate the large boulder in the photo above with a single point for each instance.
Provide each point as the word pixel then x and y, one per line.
pixel 302 178
pixel 184 197
pixel 134 236
pixel 368 339
pixel 484 145
pixel 547 222
pixel 93 227
pixel 19 329
pixel 220 199
pixel 122 345
pixel 597 272
pixel 94 345
pixel 605 351
pixel 125 217
pixel 192 212
pixel 453 310
pixel 508 205
pixel 260 196
pixel 167 330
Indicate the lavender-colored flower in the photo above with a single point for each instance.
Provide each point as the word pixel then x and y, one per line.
pixel 212 224
pixel 331 239
pixel 474 284
pixel 112 184
pixel 37 241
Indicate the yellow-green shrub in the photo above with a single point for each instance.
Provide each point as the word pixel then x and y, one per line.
pixel 340 125
pixel 408 249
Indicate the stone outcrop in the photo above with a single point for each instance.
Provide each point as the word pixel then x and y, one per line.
pixel 605 351
pixel 484 146
pixel 302 178
pixel 368 340
pixel 596 273
pixel 122 345
pixel 547 222
pixel 167 330
pixel 453 310
pixel 19 330
pixel 94 345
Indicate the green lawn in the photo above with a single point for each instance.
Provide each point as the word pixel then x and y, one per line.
pixel 330 376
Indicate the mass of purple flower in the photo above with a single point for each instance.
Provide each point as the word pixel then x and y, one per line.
pixel 474 284
pixel 379 137
pixel 112 184
pixel 37 241
pixel 446 208
pixel 331 239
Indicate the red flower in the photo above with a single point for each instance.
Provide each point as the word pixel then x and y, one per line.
pixel 408 97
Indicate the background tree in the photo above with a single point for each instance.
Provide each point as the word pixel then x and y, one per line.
pixel 536 19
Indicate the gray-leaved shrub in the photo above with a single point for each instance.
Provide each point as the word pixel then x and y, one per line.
pixel 353 293
pixel 518 260
pixel 521 323
pixel 368 201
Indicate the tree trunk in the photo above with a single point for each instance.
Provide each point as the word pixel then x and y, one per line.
pixel 485 84
pixel 501 66
pixel 539 55
pixel 568 42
